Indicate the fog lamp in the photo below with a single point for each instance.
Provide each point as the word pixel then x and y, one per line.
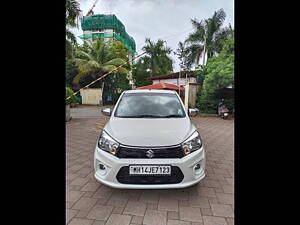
pixel 197 166
pixel 101 167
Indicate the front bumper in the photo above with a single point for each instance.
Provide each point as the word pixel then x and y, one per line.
pixel 113 164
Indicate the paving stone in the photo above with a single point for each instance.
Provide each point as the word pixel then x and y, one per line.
pixel 79 181
pixel 73 196
pixel 168 204
pixel 70 213
pixel 211 183
pixel 84 204
pixel 118 200
pixel 152 205
pixel 100 212
pixel 222 210
pixel 69 205
pixel 190 214
pixel 213 200
pixel 90 186
pixel 173 215
pixel 225 198
pixel 179 194
pixel 197 223
pixel 206 192
pixel 149 196
pixel 103 192
pixel 88 194
pixel 155 217
pixel 99 222
pixel 79 221
pixel 178 222
pixel 183 203
pixel 117 219
pixel 230 221
pixel 229 189
pixel 101 201
pixel 201 202
pixel 73 187
pixel 212 220
pixel 118 210
pixel 137 220
pixel 206 212
pixel 71 176
pixel 135 208
pixel 84 170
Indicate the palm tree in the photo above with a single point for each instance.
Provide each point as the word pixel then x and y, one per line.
pixel 182 53
pixel 203 40
pixel 93 59
pixel 157 57
pixel 73 13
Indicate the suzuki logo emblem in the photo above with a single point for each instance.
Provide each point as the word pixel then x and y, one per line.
pixel 150 154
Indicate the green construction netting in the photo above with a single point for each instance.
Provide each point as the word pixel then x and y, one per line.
pixel 108 35
pixel 100 22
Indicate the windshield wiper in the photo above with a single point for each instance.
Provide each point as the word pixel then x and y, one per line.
pixel 142 116
pixel 172 115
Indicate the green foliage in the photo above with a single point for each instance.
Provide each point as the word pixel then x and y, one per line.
pixel 93 59
pixel 207 37
pixel 72 15
pixel 119 82
pixel 157 59
pixel 71 72
pixel 218 73
pixel 140 73
pixel 69 92
pixel 182 53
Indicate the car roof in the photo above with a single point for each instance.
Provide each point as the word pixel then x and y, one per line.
pixel 150 91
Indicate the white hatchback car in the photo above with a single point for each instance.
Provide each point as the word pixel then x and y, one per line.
pixel 149 142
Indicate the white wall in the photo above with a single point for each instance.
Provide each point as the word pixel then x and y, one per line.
pixel 91 96
pixel 176 81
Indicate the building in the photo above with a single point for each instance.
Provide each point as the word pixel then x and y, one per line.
pixel 178 78
pixel 183 79
pixel 107 26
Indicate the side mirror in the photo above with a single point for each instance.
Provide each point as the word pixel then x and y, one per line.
pixel 193 112
pixel 106 111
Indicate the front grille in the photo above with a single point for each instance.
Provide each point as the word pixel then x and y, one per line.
pixel 141 153
pixel 175 177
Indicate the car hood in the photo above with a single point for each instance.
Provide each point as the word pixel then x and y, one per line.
pixel 149 131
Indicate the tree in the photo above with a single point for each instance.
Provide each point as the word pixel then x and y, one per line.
pixel 140 72
pixel 158 60
pixel 94 59
pixel 71 72
pixel 72 15
pixel 218 73
pixel 118 82
pixel 182 54
pixel 203 40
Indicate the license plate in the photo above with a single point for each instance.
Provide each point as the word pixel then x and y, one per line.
pixel 149 170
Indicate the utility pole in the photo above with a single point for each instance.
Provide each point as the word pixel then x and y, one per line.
pixel 179 81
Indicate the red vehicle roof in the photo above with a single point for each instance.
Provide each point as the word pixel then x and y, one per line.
pixel 162 86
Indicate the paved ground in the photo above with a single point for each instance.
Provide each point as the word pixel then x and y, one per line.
pixel 208 203
pixel 87 111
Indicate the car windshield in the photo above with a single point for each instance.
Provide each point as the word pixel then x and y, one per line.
pixel 149 105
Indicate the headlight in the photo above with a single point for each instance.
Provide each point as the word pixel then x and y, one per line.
pixel 193 143
pixel 107 144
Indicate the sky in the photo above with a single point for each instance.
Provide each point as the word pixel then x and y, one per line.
pixel 154 19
